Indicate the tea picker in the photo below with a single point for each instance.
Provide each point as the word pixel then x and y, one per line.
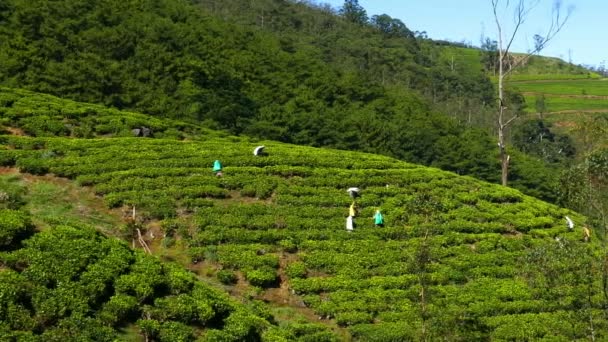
pixel 586 234
pixel 350 220
pixel 353 192
pixel 569 223
pixel 350 224
pixel 217 168
pixel 378 218
pixel 352 211
pixel 259 151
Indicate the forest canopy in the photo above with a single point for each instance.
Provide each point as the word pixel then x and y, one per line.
pixel 282 70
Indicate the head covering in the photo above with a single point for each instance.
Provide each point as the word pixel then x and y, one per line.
pixel 353 192
pixel 258 150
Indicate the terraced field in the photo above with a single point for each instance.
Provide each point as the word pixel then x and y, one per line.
pixel 455 252
pixel 457 259
pixel 565 95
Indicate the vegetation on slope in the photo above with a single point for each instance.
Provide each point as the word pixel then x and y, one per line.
pixel 70 282
pixel 172 58
pixel 468 151
pixel 457 258
pixel 313 79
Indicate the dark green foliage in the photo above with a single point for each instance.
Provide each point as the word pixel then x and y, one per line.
pixel 11 192
pixel 118 309
pixel 391 27
pixel 74 283
pixel 353 12
pixel 535 138
pixel 281 70
pixel 14 226
pixel 226 277
pixel 35 165
pixel 489 56
pixel 584 187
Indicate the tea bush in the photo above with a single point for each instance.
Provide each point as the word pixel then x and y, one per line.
pixel 14 226
pixel 465 244
pixel 69 281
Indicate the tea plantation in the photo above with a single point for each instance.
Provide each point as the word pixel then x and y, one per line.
pixel 457 259
pixel 73 284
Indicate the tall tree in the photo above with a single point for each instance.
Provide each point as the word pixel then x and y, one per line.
pixel 489 56
pixel 506 65
pixel 353 12
pixel 391 27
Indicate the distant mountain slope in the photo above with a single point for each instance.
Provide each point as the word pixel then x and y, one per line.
pixel 561 95
pixel 322 81
pixel 457 258
pixel 565 86
pixel 562 86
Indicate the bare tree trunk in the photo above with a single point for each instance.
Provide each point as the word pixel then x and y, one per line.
pixel 522 10
pixel 504 157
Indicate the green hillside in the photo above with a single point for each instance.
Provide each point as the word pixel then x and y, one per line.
pixel 563 87
pixel 457 259
pixel 566 94
pixel 306 75
pixel 289 71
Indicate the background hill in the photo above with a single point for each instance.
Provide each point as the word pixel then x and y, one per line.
pixel 280 70
pixel 458 258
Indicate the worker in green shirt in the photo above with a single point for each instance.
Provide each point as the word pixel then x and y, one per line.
pixel 378 219
pixel 217 168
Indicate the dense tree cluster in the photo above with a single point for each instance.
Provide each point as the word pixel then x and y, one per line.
pixel 290 71
pixel 172 59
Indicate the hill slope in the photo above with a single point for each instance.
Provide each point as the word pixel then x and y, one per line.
pixel 320 81
pixel 457 258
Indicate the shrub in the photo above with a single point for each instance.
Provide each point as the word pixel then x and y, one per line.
pixel 263 277
pixel 33 165
pixel 353 317
pixel 11 193
pixel 227 277
pixel 14 227
pixel 171 226
pixel 288 245
pixel 42 125
pixel 296 270
pixel 7 158
pixel 117 309
pixel 175 331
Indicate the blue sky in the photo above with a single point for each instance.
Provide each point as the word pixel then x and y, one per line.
pixel 584 39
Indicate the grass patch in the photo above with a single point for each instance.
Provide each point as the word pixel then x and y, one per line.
pixel 56 204
pixel 544 77
pixel 463 59
pixel 557 104
pixel 596 87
